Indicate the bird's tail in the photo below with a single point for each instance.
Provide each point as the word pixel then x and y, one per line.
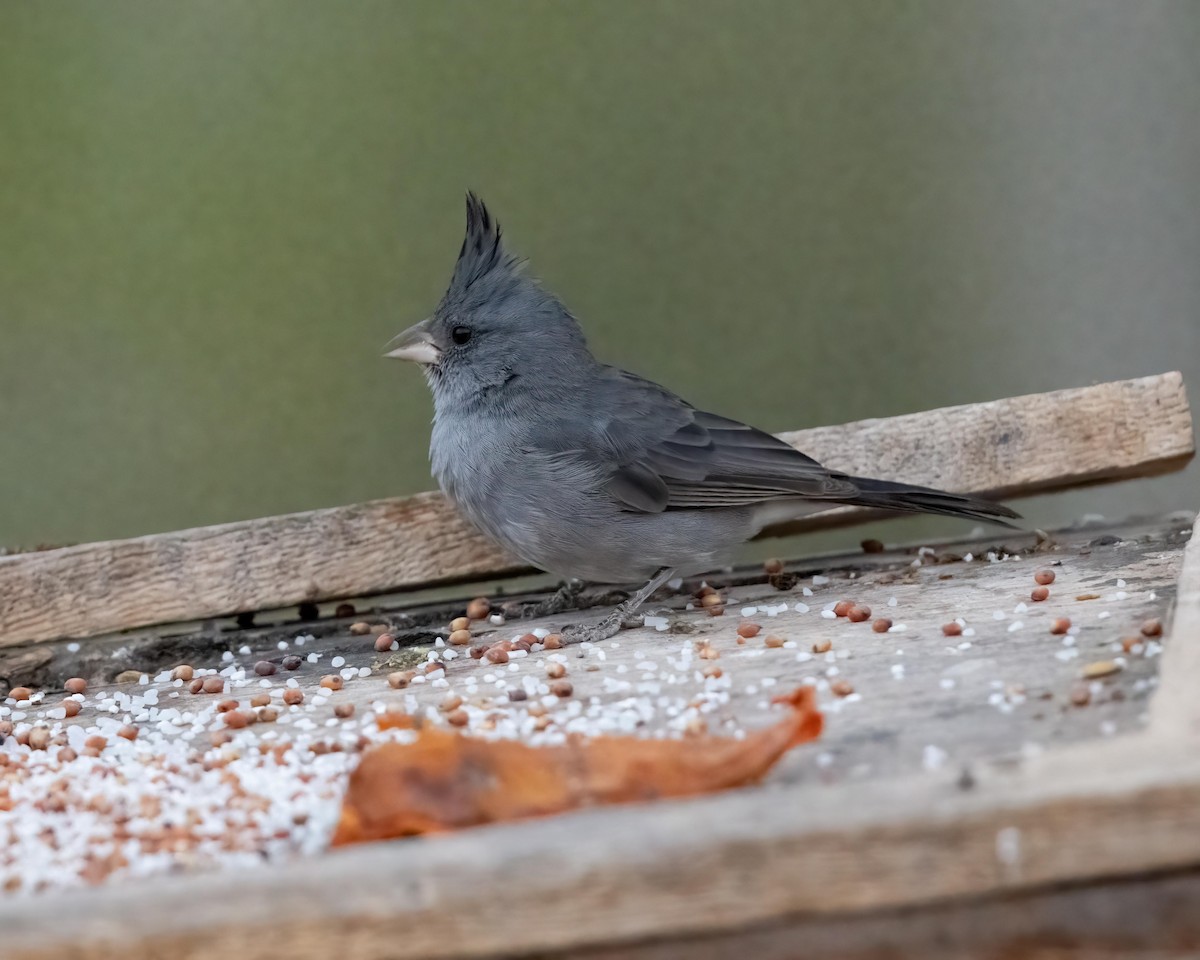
pixel 906 498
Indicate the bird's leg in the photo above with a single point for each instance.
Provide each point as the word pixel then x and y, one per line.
pixel 565 598
pixel 611 624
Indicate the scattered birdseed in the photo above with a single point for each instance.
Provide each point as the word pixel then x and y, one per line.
pixel 1060 625
pixel 478 608
pixel 75 685
pixel 857 613
pixel 952 629
pixel 562 688
pixel 882 625
pixel 385 642
pixel 212 684
pixel 773 641
pixel 1038 594
pixel 1044 577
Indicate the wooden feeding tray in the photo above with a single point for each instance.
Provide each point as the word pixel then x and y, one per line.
pixel 990 780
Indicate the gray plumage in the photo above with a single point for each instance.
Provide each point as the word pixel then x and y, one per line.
pixel 588 471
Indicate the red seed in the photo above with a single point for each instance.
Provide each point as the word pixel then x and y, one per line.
pixel 1044 577
pixel 260 700
pixel 1152 628
pixel 952 629
pixel 212 684
pixel 75 685
pixel 450 702
pixel 196 686
pixel 291 662
pixel 555 670
pixel 237 719
pixel 857 614
pixel 478 652
pixel 293 696
pixel 497 654
pixel 20 693
pixel 711 600
pixel 183 672
pixel 1038 594
pixel 264 668
pixel 400 679
pixel 129 732
pixel 822 646
pixel 458 718
pixel 773 641
pixel 841 688
pixel 72 707
pixel 562 688
pixel 268 714
pixel 331 681
pixel 552 641
pixel 478 608
pixel 1061 625
pixel 343 711
pixel 226 705
pixel 748 630
pixel 383 642
pixel 842 607
pixel 882 625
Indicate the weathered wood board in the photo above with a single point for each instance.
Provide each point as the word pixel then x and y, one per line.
pixel 1013 447
pixel 1026 788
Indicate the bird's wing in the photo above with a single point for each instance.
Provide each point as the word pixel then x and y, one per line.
pixel 661 453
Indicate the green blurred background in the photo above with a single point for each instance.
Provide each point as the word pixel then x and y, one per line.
pixel 213 215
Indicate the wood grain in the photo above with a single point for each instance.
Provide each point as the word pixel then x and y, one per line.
pixel 625 874
pixel 1175 710
pixel 1011 447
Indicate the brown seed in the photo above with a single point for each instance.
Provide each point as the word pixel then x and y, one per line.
pixel 383 642
pixel 773 566
pixel 1100 668
pixel 1038 594
pixel 1060 625
pixel 1152 628
pixel 128 732
pixel 952 629
pixel 292 696
pixel 1130 644
pixel 555 670
pixel 95 742
pixel 711 600
pixel 66 755
pixel 344 610
pixel 291 662
pixel 773 641
pixel 712 670
pixel 360 628
pixel 39 738
pixel 196 686
pixel 857 614
pixel 523 645
pixel 20 693
pixel 552 641
pixel 841 688
pixel 226 705
pixel 268 714
pixel 1081 696
pixel 460 638
pixel 343 711
pixel 1088 596
pixel 400 679
pixel 451 701
pixel 331 681
pixel 458 718
pixel 213 684
pixel 478 651
pixel 718 610
pixel 378 628
pixel 128 676
pixel 872 546
pixel 75 685
pixel 434 666
pixel 460 623
pixel 882 625
pixel 516 694
pixel 183 672
pixel 706 651
pixel 562 688
pixel 748 630
pixel 822 646
pixel 478 608
pixel 260 700
pixel 72 707
pixel 496 654
pixel 842 608
pixel 264 668
pixel 236 719
pixel 1044 577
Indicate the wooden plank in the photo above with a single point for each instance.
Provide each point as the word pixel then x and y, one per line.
pixel 1009 447
pixel 1176 707
pixel 676 869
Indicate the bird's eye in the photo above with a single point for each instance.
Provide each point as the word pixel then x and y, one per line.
pixel 460 335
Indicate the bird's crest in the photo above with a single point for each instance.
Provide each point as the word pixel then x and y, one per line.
pixel 481 251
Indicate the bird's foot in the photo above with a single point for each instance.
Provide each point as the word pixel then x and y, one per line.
pixel 564 599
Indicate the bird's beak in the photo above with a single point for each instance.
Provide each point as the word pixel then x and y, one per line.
pixel 415 344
